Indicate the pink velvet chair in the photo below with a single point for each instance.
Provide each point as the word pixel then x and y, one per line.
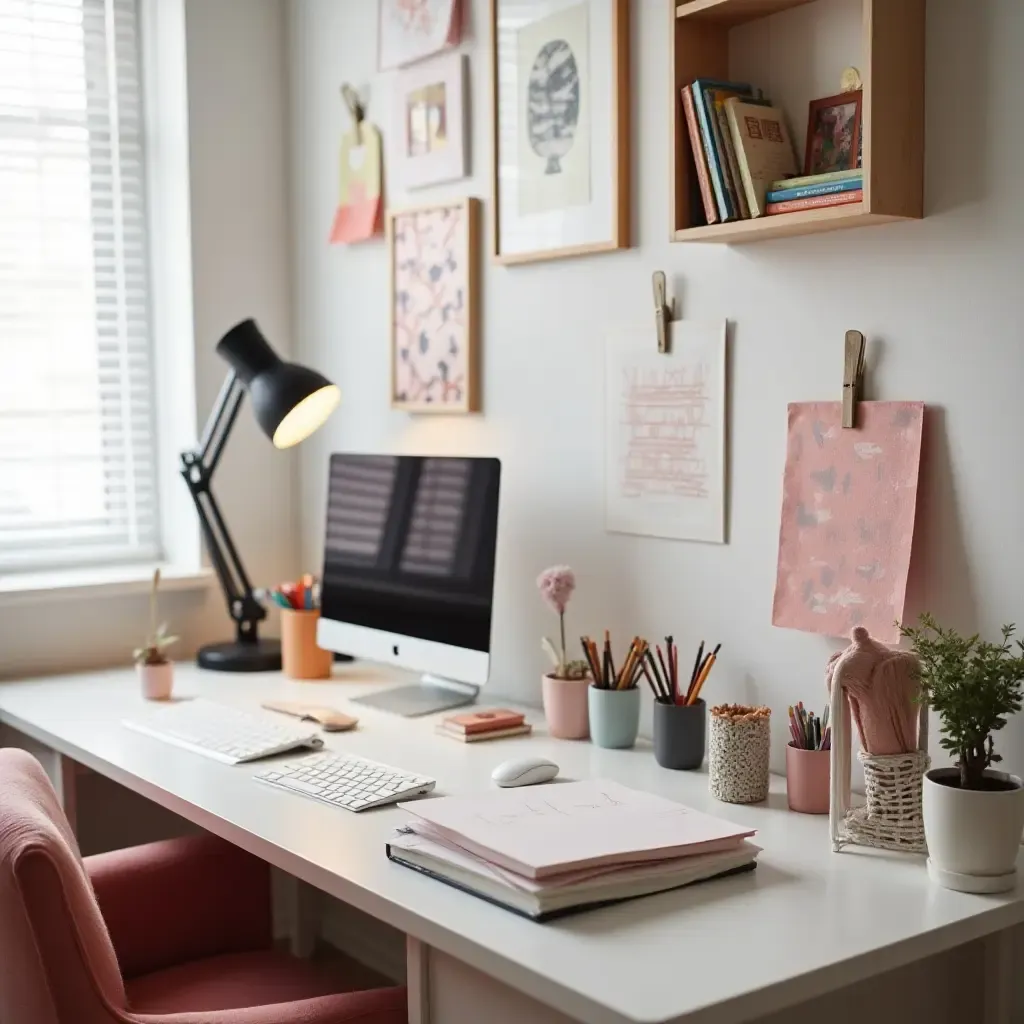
pixel 177 932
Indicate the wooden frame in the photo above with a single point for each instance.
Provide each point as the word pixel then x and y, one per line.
pixel 892 68
pixel 470 401
pixel 840 99
pixel 619 228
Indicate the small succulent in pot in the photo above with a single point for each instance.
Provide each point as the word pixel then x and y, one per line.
pixel 556 586
pixel 153 652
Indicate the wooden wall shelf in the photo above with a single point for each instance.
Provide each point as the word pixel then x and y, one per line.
pixel 892 67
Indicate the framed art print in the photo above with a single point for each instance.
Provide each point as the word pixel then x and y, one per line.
pixel 834 134
pixel 434 259
pixel 430 122
pixel 560 84
pixel 413 29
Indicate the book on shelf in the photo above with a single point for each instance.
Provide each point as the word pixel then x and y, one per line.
pixel 816 179
pixel 814 202
pixel 809 191
pixel 763 148
pixel 700 157
pixel 706 91
pixel 578 890
pixel 732 167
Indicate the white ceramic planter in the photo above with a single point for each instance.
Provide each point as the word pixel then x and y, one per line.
pixel 973 836
pixel 157 680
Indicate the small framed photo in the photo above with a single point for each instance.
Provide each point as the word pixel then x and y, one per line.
pixel 833 134
pixel 430 122
pixel 434 256
pixel 560 114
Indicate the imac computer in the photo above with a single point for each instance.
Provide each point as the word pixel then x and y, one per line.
pixel 408 574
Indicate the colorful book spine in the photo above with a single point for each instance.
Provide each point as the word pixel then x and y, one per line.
pixel 732 168
pixel 700 158
pixel 816 179
pixel 836 199
pixel 807 191
pixel 708 124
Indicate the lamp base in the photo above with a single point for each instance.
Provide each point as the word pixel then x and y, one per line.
pixel 233 656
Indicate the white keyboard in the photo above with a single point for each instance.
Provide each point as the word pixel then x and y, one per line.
pixel 224 733
pixel 341 780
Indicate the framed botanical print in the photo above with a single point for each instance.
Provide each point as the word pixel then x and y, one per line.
pixel 434 254
pixel 560 95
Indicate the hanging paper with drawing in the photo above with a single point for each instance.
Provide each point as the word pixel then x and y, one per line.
pixel 413 29
pixel 665 425
pixel 359 214
pixel 849 501
pixel 554 100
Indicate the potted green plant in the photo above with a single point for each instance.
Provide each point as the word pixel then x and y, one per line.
pixel 564 689
pixel 973 814
pixel 155 670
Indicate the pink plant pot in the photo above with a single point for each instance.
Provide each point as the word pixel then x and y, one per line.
pixel 807 780
pixel 157 680
pixel 565 707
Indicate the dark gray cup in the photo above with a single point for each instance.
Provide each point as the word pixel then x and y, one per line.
pixel 679 734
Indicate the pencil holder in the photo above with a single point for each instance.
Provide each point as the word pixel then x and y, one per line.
pixel 738 756
pixel 301 658
pixel 807 779
pixel 679 734
pixel 565 707
pixel 614 717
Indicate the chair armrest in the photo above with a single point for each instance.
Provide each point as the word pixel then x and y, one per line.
pixel 182 899
pixel 377 1006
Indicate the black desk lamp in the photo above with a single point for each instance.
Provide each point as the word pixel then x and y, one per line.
pixel 290 402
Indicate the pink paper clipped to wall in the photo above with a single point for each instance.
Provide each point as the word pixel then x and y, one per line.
pixel 848 505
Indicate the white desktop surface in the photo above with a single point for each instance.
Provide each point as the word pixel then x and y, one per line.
pixel 807 921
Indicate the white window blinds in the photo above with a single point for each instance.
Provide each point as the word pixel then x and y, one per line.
pixel 77 482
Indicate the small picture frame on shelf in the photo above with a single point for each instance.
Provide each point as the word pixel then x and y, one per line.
pixel 560 114
pixel 834 134
pixel 429 122
pixel 434 255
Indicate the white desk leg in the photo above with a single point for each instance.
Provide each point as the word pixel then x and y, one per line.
pixel 998 991
pixel 417 963
pixel 296 913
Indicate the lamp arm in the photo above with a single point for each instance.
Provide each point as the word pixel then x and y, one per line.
pixel 197 468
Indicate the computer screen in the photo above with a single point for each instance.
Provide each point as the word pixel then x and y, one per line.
pixel 409 560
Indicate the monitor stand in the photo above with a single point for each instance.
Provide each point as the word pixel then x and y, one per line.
pixel 431 694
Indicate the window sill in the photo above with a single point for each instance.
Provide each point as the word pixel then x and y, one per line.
pixel 98 581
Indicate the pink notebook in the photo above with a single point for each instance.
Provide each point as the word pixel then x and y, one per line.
pixel 542 831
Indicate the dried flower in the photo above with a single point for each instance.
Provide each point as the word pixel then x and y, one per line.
pixel 556 586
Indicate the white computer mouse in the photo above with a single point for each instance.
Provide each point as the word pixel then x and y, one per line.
pixel 525 771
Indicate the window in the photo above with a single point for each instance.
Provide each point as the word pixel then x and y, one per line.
pixel 77 476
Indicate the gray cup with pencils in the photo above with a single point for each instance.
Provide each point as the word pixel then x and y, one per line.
pixel 613 699
pixel 679 715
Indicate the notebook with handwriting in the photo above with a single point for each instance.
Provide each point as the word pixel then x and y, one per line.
pixel 541 831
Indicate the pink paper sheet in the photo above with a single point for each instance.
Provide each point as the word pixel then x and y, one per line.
pixel 848 504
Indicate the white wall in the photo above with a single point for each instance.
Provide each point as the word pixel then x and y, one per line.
pixel 938 299
pixel 237 86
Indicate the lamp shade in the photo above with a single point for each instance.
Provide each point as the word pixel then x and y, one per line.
pixel 290 401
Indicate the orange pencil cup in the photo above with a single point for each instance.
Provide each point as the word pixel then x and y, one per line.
pixel 300 656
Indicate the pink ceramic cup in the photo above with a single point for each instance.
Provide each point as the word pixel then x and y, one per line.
pixel 565 707
pixel 807 780
pixel 157 680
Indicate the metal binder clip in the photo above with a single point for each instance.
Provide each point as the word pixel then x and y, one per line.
pixel 663 311
pixel 355 108
pixel 853 376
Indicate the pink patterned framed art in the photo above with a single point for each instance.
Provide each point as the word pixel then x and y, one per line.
pixel 433 252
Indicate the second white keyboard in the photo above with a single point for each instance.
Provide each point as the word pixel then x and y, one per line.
pixel 352 783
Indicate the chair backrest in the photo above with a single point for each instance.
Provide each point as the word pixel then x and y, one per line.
pixel 57 964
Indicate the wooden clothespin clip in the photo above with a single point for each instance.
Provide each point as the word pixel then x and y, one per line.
pixel 355 108
pixel 853 376
pixel 664 312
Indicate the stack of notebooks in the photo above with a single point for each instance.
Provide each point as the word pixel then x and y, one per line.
pixel 545 851
pixel 744 159
pixel 474 726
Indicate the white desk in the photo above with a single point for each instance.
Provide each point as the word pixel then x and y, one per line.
pixel 729 951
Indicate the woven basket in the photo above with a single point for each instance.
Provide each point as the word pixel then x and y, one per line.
pixel 891 818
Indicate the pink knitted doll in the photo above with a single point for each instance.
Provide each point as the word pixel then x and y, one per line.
pixel 881 685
